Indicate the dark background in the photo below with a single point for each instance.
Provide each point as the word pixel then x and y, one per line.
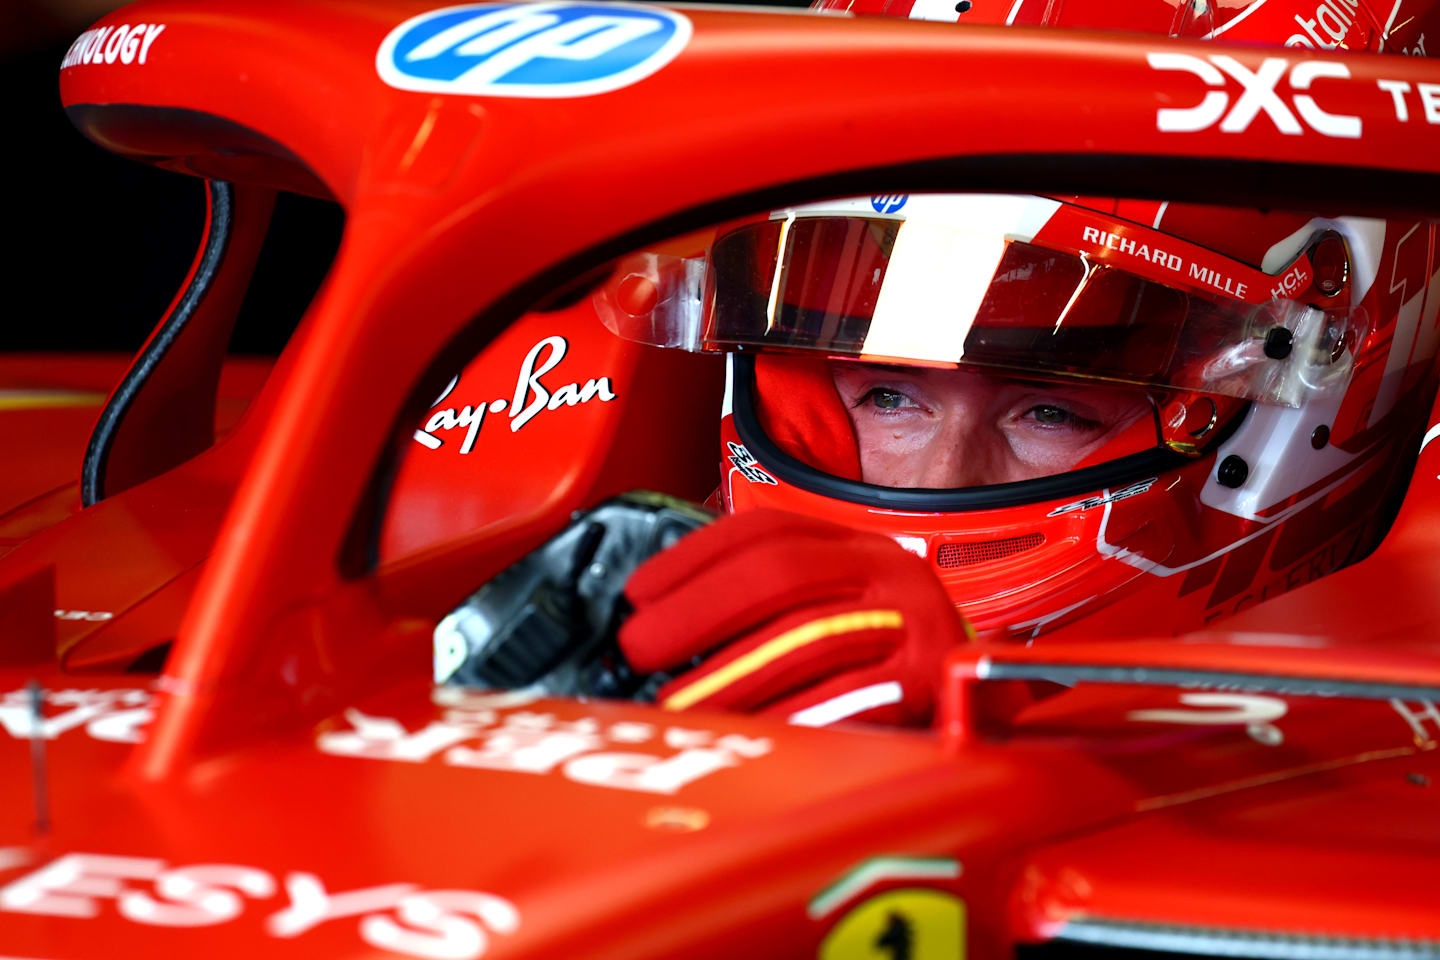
pixel 98 245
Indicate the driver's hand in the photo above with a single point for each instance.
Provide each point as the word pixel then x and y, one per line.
pixel 798 617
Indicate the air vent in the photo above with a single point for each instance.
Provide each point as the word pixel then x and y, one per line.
pixel 952 555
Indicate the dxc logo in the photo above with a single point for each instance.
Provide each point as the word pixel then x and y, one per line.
pixel 1258 93
pixel 889 202
pixel 530 49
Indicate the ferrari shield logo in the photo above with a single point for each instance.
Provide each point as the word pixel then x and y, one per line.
pixel 907 924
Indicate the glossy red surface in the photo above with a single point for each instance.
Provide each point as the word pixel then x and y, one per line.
pixel 293 744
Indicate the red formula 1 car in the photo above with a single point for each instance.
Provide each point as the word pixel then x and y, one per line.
pixel 221 732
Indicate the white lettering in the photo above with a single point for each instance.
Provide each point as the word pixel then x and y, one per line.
pixel 198 896
pixel 531 397
pixel 433 923
pixel 1259 94
pixel 1430 100
pixel 529 382
pixel 1309 27
pixel 1229 708
pixel 1397 90
pixel 482 28
pixel 1418 718
pixel 152 31
pixel 122 726
pixel 96 53
pixel 1333 23
pixel 1329 124
pixel 107 45
pixel 1210 108
pixel 69 885
pixel 311 905
pixel 385 739
pixel 597 388
pixel 132 44
pixel 584 38
pixel 20 722
pixel 436 924
pixel 117 39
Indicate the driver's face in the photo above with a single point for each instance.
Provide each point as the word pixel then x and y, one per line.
pixel 922 427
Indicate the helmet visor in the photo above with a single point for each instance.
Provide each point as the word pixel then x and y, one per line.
pixel 941 293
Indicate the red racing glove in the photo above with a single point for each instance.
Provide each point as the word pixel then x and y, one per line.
pixel 799 617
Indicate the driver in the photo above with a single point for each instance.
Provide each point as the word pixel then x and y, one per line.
pixel 1056 415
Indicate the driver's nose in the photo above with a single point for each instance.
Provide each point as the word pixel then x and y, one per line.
pixel 966 451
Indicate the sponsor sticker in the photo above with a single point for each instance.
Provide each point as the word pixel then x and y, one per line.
pixel 531 49
pixel 896 917
pixel 889 202
pixel 532 397
pixel 1277 88
pixel 118 715
pixel 403 918
pixel 487 731
pixel 125 45
pixel 744 461
pixel 1089 503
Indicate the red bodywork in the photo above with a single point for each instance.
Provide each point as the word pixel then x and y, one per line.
pixel 293 785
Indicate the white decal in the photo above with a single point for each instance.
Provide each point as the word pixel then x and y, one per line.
pixel 1333 17
pixel 107 45
pixel 1124 493
pixel 1115 241
pixel 1291 282
pixel 436 924
pixel 1429 94
pixel 1258 95
pixel 745 462
pixel 93 616
pixel 118 716
pixel 530 49
pixel 198 896
pixel 1418 718
pixel 1253 710
pixel 398 917
pixel 68 886
pixel 520 741
pixel 531 397
pixel 311 904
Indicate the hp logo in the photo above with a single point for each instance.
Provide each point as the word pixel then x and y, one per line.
pixel 530 49
pixel 889 202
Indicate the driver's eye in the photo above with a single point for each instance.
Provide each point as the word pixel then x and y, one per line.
pixel 1049 414
pixel 884 399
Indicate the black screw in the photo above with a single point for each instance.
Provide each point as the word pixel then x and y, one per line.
pixel 1419 779
pixel 1232 471
pixel 1320 437
pixel 1278 343
pixel 963 6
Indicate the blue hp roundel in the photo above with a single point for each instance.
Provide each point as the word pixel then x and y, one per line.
pixel 889 202
pixel 530 49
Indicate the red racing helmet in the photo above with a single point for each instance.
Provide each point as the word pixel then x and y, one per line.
pixel 1063 401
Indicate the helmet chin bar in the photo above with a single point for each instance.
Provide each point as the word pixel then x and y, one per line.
pixel 1115 473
